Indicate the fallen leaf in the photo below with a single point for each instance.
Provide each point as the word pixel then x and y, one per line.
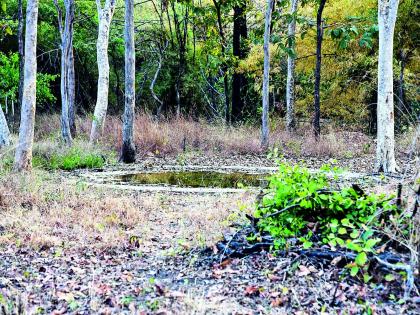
pixel 336 260
pixel 303 271
pixel 252 290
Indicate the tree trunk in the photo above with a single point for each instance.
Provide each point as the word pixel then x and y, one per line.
pixel 181 36
pixel 4 130
pixel 401 93
pixel 23 156
pixel 128 152
pixel 21 58
pixel 291 63
pixel 385 151
pixel 224 66
pixel 240 34
pixel 319 35
pixel 71 81
pixel 266 77
pixel 66 33
pixel 105 16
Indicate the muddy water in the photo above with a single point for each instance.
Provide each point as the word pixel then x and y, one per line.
pixel 194 179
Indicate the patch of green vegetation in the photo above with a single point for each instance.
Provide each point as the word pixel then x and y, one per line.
pixel 72 159
pixel 304 206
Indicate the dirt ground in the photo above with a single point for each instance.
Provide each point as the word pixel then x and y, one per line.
pixel 69 248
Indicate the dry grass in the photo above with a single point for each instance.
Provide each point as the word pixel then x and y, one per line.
pixel 172 136
pixel 42 210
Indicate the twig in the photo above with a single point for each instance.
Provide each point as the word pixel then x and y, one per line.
pixel 399 192
pixel 407 268
pixel 336 289
pixel 281 211
pixel 227 245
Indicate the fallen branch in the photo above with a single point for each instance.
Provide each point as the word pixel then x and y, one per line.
pixel 408 270
pixel 281 211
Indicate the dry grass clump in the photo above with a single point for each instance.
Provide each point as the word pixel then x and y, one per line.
pixel 43 210
pixel 172 136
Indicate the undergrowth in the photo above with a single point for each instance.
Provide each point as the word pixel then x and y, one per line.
pixel 70 160
pixel 50 154
pixel 300 207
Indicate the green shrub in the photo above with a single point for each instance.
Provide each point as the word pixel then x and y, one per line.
pixel 306 207
pixel 69 160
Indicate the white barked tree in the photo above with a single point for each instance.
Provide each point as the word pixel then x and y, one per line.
pixel 266 76
pixel 385 151
pixel 23 156
pixel 105 14
pixel 291 64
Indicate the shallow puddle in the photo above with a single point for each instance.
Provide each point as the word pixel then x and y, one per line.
pixel 194 179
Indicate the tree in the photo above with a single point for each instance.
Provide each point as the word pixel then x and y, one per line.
pixel 266 77
pixel 128 153
pixel 105 14
pixel 23 157
pixel 68 85
pixel 319 36
pixel 385 150
pixel 291 64
pixel 224 67
pixel 4 130
pixel 21 53
pixel 181 32
pixel 239 84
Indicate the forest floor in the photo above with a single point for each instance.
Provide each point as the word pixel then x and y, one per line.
pixel 67 247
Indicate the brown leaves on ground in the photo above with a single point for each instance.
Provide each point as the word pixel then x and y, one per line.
pixel 42 211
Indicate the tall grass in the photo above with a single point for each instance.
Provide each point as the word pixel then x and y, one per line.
pixel 172 136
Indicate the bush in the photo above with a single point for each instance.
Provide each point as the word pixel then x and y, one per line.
pixel 306 208
pixel 70 160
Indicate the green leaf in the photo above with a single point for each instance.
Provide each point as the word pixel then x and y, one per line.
pixel 366 278
pixel 346 222
pixel 342 231
pixel 354 30
pixel 389 277
pixel 354 246
pixel 307 244
pixel 354 234
pixel 361 259
pixel 340 241
pixel 323 197
pixel 370 243
pixel 354 270
pixel 2 299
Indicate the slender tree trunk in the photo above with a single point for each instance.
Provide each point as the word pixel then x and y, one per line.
pixel 224 66
pixel 240 34
pixel 319 36
pixel 401 93
pixel 291 63
pixel 71 81
pixel 152 86
pixel 66 33
pixel 4 130
pixel 128 153
pixel 385 152
pixel 21 58
pixel 105 14
pixel 23 156
pixel 181 35
pixel 266 77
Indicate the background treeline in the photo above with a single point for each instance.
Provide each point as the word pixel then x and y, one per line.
pixel 204 59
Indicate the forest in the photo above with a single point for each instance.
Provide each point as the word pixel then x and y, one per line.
pixel 209 157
